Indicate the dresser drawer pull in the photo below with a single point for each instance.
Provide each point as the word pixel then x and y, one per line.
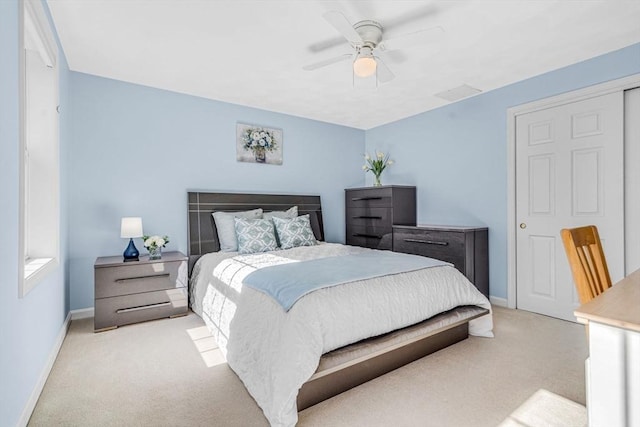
pixel 142 307
pixel 367 217
pixel 128 279
pixel 357 199
pixel 426 242
pixel 373 236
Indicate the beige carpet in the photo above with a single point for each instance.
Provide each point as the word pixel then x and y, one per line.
pixel 169 373
pixel 546 409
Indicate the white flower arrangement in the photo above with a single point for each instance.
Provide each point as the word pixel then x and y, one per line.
pixel 259 139
pixel 377 165
pixel 154 242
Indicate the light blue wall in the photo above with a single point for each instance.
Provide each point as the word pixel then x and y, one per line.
pixel 137 150
pixel 457 155
pixel 133 150
pixel 28 326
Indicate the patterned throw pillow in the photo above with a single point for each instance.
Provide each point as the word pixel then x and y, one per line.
pixel 294 232
pixel 255 235
pixel 292 212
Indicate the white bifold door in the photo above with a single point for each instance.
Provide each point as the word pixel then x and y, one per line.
pixel 569 173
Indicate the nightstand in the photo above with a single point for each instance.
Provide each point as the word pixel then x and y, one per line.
pixel 136 291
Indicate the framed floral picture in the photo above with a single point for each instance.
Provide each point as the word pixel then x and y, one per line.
pixel 258 144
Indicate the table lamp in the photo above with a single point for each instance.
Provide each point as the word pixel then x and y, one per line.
pixel 131 227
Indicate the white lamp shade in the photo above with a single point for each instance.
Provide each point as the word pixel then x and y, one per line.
pixel 131 227
pixel 364 66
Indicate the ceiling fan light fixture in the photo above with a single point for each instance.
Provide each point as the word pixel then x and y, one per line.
pixel 365 65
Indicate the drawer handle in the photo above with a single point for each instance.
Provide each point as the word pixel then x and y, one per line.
pixel 427 242
pixel 142 307
pixel 367 217
pixel 373 236
pixel 128 279
pixel 357 199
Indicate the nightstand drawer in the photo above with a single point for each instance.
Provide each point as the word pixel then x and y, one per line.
pixel 433 244
pixel 371 217
pixel 137 278
pixel 123 310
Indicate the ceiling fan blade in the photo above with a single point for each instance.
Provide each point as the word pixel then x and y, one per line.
pixel 430 35
pixel 344 27
pixel 384 73
pixel 417 14
pixel 395 56
pixel 326 44
pixel 324 63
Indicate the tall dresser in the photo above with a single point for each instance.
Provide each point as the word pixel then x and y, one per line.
pixel 371 212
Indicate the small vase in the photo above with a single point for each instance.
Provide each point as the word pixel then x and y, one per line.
pixel 261 156
pixel 377 182
pixel 155 253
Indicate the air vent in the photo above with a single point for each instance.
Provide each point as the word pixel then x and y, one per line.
pixel 458 93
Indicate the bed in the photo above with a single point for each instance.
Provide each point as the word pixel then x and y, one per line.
pixel 331 339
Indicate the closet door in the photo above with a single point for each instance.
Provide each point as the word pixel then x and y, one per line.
pixel 632 179
pixel 569 173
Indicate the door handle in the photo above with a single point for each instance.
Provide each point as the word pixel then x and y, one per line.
pixel 426 242
pixel 523 225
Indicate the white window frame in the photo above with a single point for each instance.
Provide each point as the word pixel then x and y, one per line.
pixel 39 216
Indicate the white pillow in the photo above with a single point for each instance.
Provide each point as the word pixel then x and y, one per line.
pixel 227 228
pixel 289 213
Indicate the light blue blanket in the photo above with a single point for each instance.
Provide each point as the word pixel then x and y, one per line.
pixel 286 283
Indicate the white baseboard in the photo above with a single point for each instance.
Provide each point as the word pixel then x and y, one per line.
pixel 82 313
pixel 37 390
pixel 500 302
pixel 35 394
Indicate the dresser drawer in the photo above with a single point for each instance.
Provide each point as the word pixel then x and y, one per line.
pixel 369 198
pixel 137 278
pixel 123 310
pixel 369 217
pixel 445 246
pixel 370 237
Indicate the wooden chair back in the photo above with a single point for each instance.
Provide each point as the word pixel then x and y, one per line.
pixel 587 261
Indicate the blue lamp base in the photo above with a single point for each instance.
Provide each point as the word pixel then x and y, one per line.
pixel 131 253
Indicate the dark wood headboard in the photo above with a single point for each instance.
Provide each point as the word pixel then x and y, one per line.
pixel 203 236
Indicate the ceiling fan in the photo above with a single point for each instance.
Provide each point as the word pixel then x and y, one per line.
pixel 366 38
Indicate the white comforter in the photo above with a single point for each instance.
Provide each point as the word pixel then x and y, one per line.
pixel 274 352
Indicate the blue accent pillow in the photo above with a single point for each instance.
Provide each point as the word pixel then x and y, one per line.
pixel 294 232
pixel 255 235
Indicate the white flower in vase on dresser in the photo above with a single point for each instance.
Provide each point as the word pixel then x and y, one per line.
pixel 154 245
pixel 376 165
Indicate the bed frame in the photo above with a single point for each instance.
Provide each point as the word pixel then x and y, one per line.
pixel 352 365
pixel 203 235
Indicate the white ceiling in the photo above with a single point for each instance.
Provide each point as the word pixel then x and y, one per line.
pixel 252 52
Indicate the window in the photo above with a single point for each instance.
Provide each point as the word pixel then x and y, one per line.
pixel 39 160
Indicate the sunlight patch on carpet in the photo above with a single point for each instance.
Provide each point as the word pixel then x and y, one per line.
pixel 547 409
pixel 206 346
